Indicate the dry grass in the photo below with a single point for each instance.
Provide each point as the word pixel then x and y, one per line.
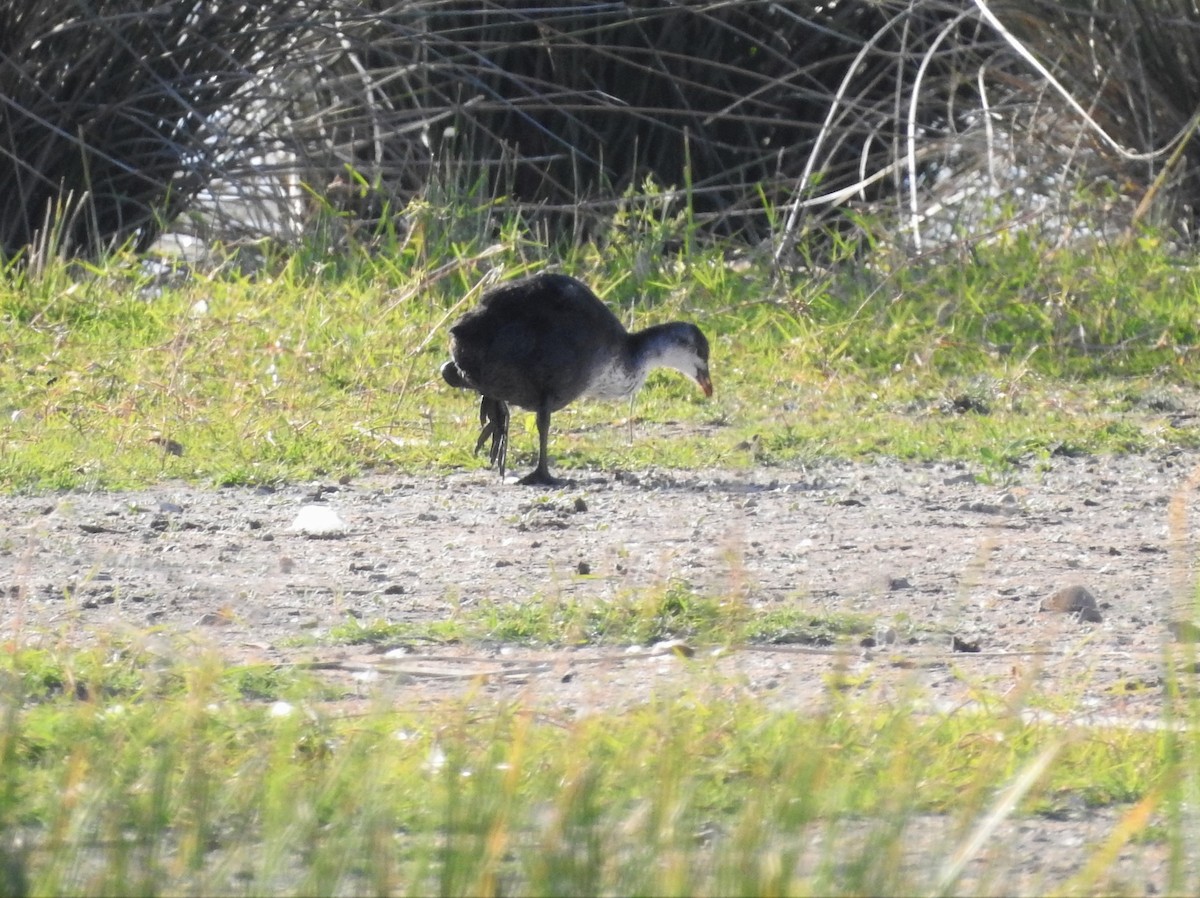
pixel 765 120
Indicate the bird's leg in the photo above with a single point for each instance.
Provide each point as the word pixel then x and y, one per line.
pixel 541 476
pixel 493 418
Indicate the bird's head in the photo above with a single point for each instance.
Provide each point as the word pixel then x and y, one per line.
pixel 682 346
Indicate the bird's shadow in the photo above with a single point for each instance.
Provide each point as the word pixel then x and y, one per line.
pixel 663 482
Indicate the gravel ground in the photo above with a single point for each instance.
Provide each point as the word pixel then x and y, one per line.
pixel 954 572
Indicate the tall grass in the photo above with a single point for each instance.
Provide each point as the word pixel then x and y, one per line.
pixel 115 115
pixel 762 120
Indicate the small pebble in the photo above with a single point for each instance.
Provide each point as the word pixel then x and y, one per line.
pixel 1074 600
pixel 961 645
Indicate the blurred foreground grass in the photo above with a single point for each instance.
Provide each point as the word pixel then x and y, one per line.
pixel 128 774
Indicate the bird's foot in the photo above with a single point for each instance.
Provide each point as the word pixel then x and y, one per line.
pixel 541 477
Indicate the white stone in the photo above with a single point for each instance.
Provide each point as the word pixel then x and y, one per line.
pixel 319 520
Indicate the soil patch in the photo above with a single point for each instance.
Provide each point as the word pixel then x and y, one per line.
pixel 958 576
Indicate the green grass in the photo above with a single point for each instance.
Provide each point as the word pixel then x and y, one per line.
pixel 166 778
pixel 633 618
pixel 113 375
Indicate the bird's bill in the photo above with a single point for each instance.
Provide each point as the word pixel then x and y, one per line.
pixel 705 382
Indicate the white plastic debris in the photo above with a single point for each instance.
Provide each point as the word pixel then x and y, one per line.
pixel 319 520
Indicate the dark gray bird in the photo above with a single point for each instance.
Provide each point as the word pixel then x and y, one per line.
pixel 546 340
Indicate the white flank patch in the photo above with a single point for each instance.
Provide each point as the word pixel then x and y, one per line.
pixel 319 520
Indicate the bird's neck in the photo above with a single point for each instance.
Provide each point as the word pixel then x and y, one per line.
pixel 656 347
pixel 645 350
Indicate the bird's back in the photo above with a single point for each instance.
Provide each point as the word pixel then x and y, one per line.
pixel 537 341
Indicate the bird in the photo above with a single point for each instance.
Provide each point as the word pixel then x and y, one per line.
pixel 542 342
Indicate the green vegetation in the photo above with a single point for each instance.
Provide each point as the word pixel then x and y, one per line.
pixel 128 770
pixel 131 771
pixel 634 618
pixel 118 374
pixel 165 778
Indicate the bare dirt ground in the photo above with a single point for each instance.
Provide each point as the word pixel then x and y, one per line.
pixel 940 561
